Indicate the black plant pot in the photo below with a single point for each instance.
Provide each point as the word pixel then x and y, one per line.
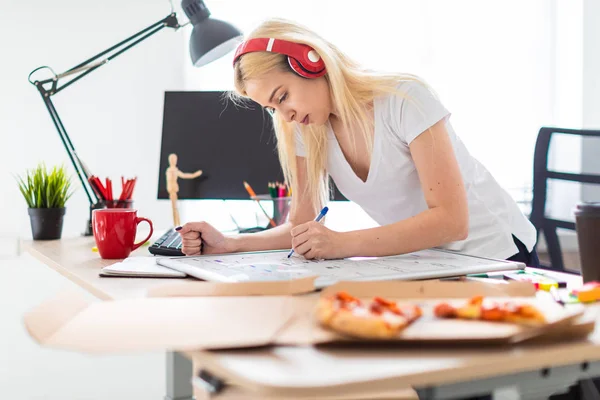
pixel 46 223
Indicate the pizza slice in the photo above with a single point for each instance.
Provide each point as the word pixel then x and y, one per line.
pixel 376 319
pixel 477 309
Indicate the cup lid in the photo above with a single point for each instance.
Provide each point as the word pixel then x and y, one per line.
pixel 587 207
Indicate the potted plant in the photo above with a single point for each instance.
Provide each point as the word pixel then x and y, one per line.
pixel 46 195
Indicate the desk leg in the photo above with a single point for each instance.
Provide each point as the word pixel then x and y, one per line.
pixel 179 375
pixel 588 390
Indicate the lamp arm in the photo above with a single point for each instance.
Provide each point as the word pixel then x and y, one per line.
pixel 83 69
pixel 89 65
pixel 78 165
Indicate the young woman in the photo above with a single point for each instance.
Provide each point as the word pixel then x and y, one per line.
pixel 387 143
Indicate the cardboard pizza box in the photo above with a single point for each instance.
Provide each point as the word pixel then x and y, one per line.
pixel 223 316
pixel 204 288
pixel 199 315
pixel 305 329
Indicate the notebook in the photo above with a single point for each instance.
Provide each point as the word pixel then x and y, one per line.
pixel 276 266
pixel 140 267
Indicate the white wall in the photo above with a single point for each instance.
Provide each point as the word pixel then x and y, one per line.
pixel 591 94
pixel 113 115
pixel 567 70
pixel 577 88
pixel 490 62
pixel 123 100
pixel 114 118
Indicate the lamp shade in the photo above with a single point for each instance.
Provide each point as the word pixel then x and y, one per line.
pixel 211 38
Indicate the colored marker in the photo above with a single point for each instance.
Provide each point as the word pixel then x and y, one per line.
pixel 556 295
pixel 561 284
pixel 249 190
pixel 319 217
pixel 485 276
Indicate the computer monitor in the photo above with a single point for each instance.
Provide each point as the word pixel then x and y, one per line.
pixel 230 144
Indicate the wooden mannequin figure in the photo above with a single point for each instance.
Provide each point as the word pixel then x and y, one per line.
pixel 173 173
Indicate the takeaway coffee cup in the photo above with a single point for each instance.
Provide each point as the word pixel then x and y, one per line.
pixel 587 222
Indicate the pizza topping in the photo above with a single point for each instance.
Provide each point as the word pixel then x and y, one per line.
pixel 346 302
pixel 393 320
pixel 476 300
pixel 345 297
pixel 361 312
pixel 383 302
pixel 376 308
pixel 493 314
pixel 444 310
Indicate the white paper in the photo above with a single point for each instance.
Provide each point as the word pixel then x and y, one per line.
pixel 141 266
pixel 261 266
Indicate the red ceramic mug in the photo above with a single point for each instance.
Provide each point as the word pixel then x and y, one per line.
pixel 114 231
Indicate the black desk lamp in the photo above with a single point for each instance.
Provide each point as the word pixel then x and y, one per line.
pixel 210 40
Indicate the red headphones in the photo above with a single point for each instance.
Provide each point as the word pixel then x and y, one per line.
pixel 302 58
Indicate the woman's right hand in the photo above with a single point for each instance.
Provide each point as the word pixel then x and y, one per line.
pixel 203 238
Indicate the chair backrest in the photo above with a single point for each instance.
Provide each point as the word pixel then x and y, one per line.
pixel 541 175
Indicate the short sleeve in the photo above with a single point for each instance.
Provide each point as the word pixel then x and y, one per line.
pixel 300 149
pixel 414 110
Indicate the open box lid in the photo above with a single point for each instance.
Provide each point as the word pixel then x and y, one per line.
pixel 259 288
pixel 214 320
pixel 198 315
pixel 69 321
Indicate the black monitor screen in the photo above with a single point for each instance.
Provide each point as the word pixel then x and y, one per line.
pixel 230 144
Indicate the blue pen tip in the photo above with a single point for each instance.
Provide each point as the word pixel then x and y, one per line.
pixel 325 209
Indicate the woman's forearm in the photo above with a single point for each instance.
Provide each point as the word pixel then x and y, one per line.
pixel 431 228
pixel 271 239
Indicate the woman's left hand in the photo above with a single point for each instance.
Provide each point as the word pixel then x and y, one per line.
pixel 314 241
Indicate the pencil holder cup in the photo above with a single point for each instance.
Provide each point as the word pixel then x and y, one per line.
pixel 117 203
pixel 281 209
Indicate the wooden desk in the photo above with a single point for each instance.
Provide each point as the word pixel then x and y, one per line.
pixel 287 372
pixel 536 369
pixel 74 259
pixel 273 369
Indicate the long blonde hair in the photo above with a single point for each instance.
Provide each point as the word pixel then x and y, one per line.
pixel 352 88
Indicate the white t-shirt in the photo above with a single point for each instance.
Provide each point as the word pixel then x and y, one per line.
pixel 392 191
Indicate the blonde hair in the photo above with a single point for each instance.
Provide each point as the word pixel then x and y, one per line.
pixel 352 88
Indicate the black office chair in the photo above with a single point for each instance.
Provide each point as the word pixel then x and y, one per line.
pixel 541 175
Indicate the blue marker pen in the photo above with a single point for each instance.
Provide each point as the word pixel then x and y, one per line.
pixel 319 217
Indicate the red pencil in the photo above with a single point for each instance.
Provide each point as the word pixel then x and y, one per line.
pixel 109 189
pixel 128 189
pixel 123 189
pixel 95 187
pixel 100 187
pixel 131 187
